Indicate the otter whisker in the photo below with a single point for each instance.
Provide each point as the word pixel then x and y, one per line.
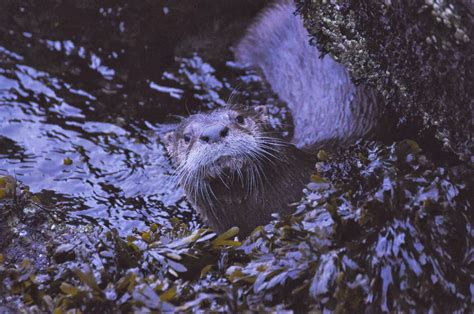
pixel 271 143
pixel 232 96
pixel 256 186
pixel 201 189
pixel 253 184
pixel 259 171
pixel 272 138
pixel 204 187
pixel 240 175
pixel 223 181
pixel 269 157
pixel 271 151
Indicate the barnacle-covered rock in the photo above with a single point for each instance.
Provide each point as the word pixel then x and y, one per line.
pixel 418 54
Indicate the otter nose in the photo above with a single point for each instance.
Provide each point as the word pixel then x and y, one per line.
pixel 214 133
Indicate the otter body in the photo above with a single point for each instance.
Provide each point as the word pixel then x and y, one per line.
pixel 326 106
pixel 233 171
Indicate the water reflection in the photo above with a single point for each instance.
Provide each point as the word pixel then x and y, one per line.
pixel 114 175
pixel 97 85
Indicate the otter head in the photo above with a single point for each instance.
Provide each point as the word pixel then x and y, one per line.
pixel 221 146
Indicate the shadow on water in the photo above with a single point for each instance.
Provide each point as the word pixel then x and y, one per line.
pixel 87 89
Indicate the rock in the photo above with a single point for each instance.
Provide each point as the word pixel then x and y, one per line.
pixel 417 53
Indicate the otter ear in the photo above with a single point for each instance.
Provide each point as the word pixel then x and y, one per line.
pixel 167 140
pixel 262 112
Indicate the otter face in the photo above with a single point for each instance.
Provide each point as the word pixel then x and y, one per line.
pixel 215 142
pixel 219 145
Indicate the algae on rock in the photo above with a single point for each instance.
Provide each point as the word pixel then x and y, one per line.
pixel 418 54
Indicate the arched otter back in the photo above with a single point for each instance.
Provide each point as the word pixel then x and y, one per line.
pixel 325 104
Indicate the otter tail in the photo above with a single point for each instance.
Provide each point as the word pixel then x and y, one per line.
pixel 325 104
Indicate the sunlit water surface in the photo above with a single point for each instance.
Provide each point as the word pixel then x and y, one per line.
pixel 86 91
pixel 96 169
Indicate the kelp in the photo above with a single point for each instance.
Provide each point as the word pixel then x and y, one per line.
pixel 380 228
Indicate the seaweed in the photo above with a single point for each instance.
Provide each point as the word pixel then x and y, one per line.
pixel 380 227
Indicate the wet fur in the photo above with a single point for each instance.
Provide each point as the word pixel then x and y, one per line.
pixel 282 184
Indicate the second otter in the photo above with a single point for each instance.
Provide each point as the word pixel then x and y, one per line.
pixel 233 171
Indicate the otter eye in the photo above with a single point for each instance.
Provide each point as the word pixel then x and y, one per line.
pixel 240 119
pixel 187 138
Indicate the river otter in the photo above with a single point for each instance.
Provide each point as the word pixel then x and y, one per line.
pixel 233 170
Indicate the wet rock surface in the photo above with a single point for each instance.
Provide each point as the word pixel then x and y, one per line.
pixel 423 68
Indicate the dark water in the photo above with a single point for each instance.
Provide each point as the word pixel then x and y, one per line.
pixel 96 86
